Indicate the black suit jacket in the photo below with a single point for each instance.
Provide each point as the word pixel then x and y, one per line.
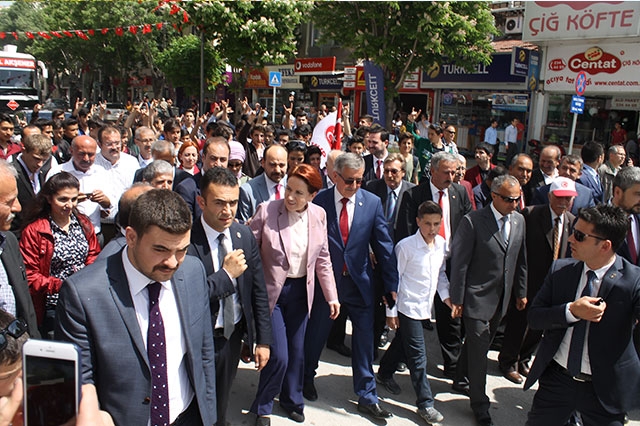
pixel 250 285
pixel 624 248
pixel 536 181
pixel 369 168
pixel 539 242
pixel 14 265
pixel 380 188
pixel 615 364
pixel 25 192
pixel 459 205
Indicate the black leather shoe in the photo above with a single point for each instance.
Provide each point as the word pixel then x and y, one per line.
pixel 374 410
pixel 462 388
pixel 523 369
pixel 484 419
pixel 296 417
pixel 263 421
pixel 389 384
pixel 309 391
pixel 341 348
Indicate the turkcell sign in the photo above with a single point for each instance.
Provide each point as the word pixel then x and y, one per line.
pixel 577 104
pixel 374 81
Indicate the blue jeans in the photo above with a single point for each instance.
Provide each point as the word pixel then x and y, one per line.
pixel 416 353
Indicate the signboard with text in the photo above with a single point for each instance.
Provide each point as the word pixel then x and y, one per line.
pixel 607 67
pixel 310 66
pixel 568 20
pixel 498 71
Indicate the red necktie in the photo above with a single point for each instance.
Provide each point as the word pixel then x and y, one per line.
pixel 344 221
pixel 379 169
pixel 440 203
pixel 278 196
pixel 521 201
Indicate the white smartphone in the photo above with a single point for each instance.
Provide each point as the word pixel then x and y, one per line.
pixel 51 376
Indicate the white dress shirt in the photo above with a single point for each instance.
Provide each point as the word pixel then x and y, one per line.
pixel 273 187
pixel 180 390
pixel 121 177
pixel 498 216
pixel 562 355
pixel 446 211
pixel 33 177
pixel 421 271
pixel 298 244
pixel 351 205
pixel 212 239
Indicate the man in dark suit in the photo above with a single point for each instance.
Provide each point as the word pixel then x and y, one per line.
pixel 548 170
pixel 30 165
pixel 587 307
pixel 626 195
pixel 377 141
pixel 237 285
pixel 455 204
pixel 489 268
pixel 570 167
pixel 521 167
pixel 548 229
pixel 592 154
pixel 215 153
pixel 14 292
pixel 482 192
pixel 146 309
pixel 355 221
pixel 390 189
pixel 268 185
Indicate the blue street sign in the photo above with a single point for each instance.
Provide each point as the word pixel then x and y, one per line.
pixel 275 79
pixel 577 105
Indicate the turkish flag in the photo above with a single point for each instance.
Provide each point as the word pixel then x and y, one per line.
pixel 323 135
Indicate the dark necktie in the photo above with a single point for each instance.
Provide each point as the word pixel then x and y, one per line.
pixel 228 314
pixel 344 221
pixel 574 361
pixel 556 234
pixel 391 204
pixel 441 231
pixel 504 231
pixel 157 353
pixel 633 250
pixel 379 169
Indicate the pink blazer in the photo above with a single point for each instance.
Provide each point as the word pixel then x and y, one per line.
pixel 270 226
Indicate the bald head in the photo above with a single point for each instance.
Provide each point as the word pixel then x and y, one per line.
pixel 83 152
pixel 331 159
pixel 126 201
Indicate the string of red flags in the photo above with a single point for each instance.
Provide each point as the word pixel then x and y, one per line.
pixel 85 34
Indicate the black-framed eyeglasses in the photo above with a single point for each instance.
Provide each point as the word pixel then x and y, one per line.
pixel 296 146
pixel 358 181
pixel 392 171
pixel 509 199
pixel 580 236
pixel 15 329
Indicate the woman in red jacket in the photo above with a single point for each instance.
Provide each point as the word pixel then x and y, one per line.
pixel 56 242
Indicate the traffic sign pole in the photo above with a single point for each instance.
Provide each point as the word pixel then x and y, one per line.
pixel 275 80
pixel 273 113
pixel 573 132
pixel 577 105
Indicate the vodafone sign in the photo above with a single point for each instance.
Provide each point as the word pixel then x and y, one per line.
pixel 608 67
pixel 314 66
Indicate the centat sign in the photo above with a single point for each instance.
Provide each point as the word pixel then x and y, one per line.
pixel 594 61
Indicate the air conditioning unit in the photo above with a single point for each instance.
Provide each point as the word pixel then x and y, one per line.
pixel 513 25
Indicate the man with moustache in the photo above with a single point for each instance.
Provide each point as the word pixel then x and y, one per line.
pixel 269 185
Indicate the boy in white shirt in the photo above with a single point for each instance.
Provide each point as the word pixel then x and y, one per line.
pixel 421 270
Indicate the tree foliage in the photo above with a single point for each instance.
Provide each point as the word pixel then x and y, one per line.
pixel 180 62
pixel 403 36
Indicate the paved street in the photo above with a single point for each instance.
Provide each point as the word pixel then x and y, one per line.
pixel 337 404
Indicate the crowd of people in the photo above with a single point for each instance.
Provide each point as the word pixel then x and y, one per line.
pixel 170 248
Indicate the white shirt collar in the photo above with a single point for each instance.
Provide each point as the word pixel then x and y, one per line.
pixel 137 280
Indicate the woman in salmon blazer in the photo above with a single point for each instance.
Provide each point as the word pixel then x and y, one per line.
pixel 292 236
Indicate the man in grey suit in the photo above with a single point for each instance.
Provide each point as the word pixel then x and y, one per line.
pixel 269 185
pixel 14 290
pixel 488 263
pixel 141 318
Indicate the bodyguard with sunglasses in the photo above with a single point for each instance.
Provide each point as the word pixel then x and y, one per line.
pixel 587 306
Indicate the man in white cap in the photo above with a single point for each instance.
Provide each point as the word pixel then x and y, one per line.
pixel 548 228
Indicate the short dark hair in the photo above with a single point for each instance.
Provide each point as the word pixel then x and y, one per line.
pixel 436 128
pixel 591 151
pixel 83 112
pixel 218 176
pixel 221 130
pixel 303 130
pixel 41 123
pixel 108 129
pixel 486 147
pixel 313 149
pixel 498 170
pixel 162 208
pixel 12 353
pixel 608 222
pixel 376 128
pixel 68 122
pixel 429 207
pixel 6 117
pixel 170 125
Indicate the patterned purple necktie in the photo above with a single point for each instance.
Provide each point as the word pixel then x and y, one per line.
pixel 157 353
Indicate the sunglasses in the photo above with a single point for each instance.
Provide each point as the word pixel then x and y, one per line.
pixel 509 199
pixel 580 236
pixel 358 181
pixel 16 329
pixel 296 146
pixel 453 132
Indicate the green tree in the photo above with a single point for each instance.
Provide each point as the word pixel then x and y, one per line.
pixel 180 62
pixel 403 36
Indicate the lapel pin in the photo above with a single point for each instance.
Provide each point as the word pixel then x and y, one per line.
pixel 453 196
pixel 612 275
pixel 238 234
pixel 360 203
